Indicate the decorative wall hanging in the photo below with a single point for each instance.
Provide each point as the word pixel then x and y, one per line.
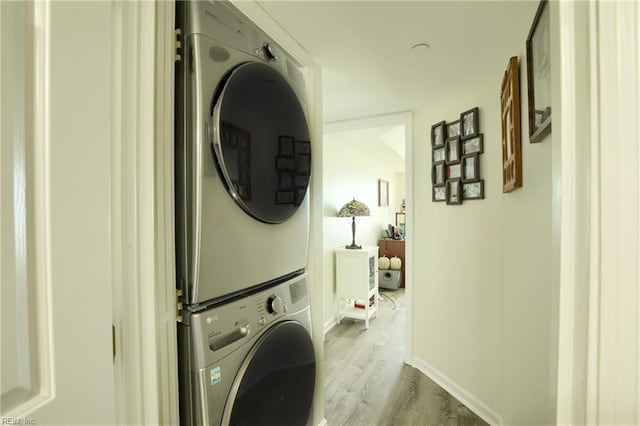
pixel 511 149
pixel 539 75
pixel 383 193
pixel 455 161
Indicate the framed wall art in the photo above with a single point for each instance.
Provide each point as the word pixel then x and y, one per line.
pixel 473 145
pixel 511 148
pixel 452 150
pixel 454 171
pixel 438 154
pixel 454 191
pixel 470 168
pixel 438 176
pixel 383 193
pixel 469 125
pixel 456 147
pixel 438 134
pixel 539 75
pixel 473 190
pixel 439 193
pixel 453 129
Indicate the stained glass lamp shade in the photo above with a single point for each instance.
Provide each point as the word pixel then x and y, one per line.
pixel 352 209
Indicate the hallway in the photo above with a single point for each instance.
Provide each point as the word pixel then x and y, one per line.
pixel 367 382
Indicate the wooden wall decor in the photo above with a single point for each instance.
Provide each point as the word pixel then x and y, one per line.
pixel 511 147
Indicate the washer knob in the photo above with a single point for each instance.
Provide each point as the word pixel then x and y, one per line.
pixel 268 53
pixel 275 305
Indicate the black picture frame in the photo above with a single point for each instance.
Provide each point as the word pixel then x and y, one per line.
pixel 438 154
pixel 470 168
pixel 438 134
pixel 473 190
pixel 452 150
pixel 439 193
pixel 470 123
pixel 473 145
pixel 453 171
pixel 453 129
pixel 454 191
pixel 438 176
pixel 539 74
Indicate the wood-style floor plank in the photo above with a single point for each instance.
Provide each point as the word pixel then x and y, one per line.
pixel 367 382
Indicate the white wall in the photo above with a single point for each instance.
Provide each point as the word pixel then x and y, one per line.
pixel 347 173
pixel 482 294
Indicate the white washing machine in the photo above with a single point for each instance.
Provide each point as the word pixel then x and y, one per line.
pixel 251 360
pixel 243 158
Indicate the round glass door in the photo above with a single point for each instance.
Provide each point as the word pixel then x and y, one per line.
pixel 276 381
pixel 261 142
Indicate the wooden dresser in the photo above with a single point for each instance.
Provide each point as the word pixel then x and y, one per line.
pixel 390 248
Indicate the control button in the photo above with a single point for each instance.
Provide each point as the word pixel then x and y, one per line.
pixel 268 53
pixel 262 321
pixel 275 305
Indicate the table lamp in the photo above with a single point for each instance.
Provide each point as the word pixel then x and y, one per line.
pixel 354 208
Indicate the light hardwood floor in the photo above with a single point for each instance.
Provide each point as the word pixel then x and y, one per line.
pixel 367 382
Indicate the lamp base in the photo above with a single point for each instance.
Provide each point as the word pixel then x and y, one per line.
pixel 353 246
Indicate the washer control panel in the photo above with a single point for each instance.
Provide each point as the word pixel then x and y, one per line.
pixel 223 328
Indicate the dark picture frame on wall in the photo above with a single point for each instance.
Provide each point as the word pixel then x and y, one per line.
pixel 470 168
pixel 438 154
pixel 438 176
pixel 438 134
pixel 473 190
pixel 539 75
pixel 473 145
pixel 454 191
pixel 439 193
pixel 469 123
pixel 452 150
pixel 510 112
pixel 453 129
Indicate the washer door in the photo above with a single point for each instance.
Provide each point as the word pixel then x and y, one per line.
pixel 275 383
pixel 261 142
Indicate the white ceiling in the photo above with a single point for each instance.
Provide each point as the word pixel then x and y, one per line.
pixel 364 48
pixel 383 144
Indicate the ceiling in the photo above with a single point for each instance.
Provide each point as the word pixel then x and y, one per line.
pixel 365 48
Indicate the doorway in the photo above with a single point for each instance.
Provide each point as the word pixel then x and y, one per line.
pixel 356 155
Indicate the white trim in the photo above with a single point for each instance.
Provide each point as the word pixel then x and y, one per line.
pixel 144 286
pixel 617 390
pixel 457 391
pixel 328 325
pixel 166 339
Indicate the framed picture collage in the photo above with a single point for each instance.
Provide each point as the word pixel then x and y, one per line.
pixel 456 147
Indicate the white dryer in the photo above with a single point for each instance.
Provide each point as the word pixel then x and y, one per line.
pixel 243 158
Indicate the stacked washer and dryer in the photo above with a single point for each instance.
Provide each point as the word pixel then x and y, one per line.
pixel 243 162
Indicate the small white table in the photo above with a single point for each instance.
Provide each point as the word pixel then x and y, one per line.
pixel 357 279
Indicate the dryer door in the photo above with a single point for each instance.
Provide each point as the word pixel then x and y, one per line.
pixel 275 383
pixel 261 142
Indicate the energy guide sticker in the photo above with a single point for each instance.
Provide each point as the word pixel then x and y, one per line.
pixel 215 375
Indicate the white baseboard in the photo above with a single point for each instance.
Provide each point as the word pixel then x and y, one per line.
pixel 329 325
pixel 457 391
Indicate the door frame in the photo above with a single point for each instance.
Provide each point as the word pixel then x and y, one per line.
pixel 145 304
pixel 404 119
